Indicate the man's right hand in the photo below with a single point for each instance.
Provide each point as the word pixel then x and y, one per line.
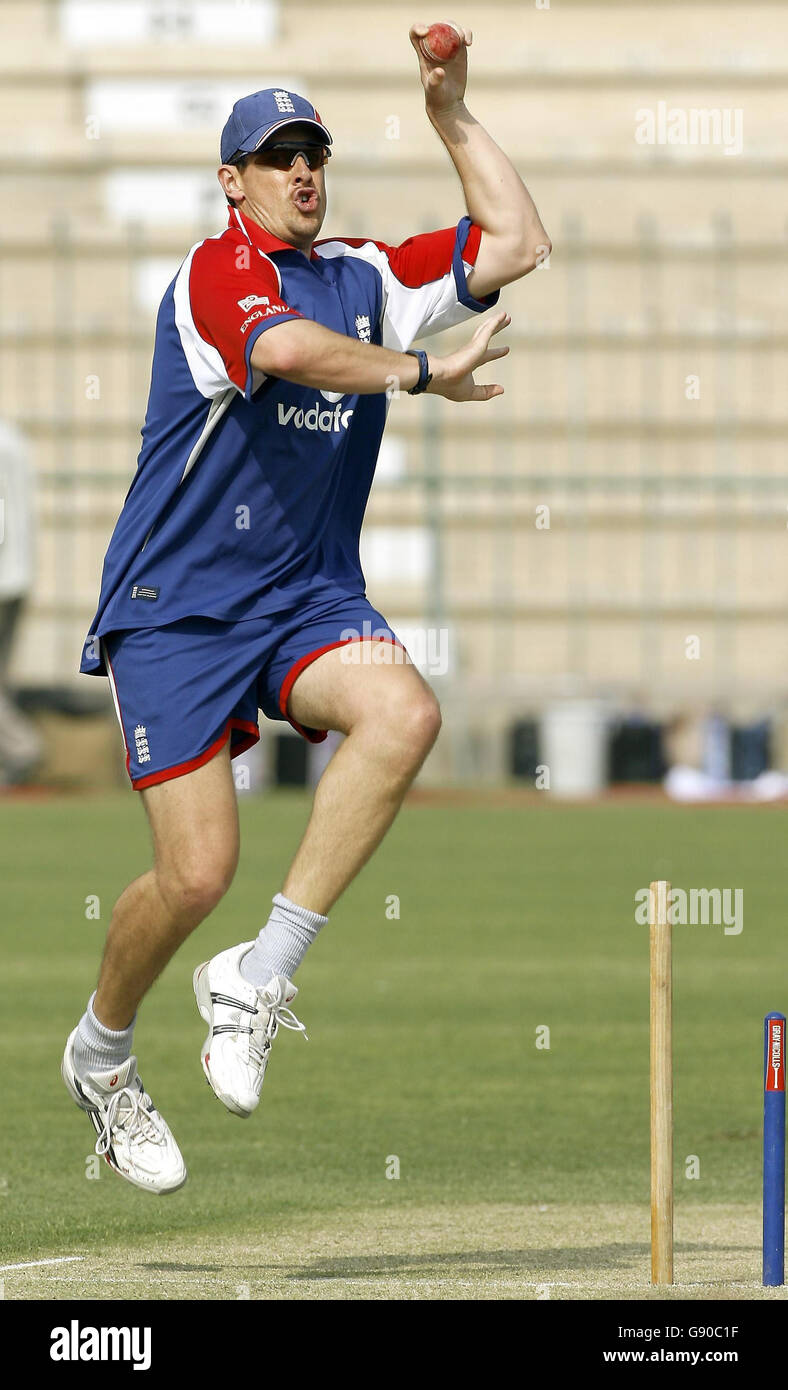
pixel 452 376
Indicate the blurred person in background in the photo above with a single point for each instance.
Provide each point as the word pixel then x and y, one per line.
pixel 20 747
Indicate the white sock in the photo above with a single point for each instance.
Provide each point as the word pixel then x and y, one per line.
pixel 97 1048
pixel 283 942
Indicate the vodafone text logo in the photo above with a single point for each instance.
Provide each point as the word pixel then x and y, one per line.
pixel 323 421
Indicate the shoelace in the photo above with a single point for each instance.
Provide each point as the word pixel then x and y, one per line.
pixel 138 1123
pixel 278 1012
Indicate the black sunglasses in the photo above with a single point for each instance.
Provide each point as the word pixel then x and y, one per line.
pixel 284 156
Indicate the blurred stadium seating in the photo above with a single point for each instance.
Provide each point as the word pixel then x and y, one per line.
pixel 667 514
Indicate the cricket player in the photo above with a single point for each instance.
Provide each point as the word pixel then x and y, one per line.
pixel 232 581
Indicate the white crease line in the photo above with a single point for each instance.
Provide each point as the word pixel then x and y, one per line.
pixel 34 1264
pixel 319 1280
pixel 332 1279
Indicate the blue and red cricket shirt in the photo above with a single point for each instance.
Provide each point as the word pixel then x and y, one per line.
pixel 250 490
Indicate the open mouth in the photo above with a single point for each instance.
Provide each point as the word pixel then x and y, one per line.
pixel 306 199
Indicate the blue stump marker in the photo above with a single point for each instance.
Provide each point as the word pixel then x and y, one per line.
pixel 774 1149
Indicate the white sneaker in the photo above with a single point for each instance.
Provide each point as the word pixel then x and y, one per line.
pixel 243 1021
pixel 132 1136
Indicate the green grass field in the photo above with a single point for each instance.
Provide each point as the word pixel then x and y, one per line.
pixel 524 1172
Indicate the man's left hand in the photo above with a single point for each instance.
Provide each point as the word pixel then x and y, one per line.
pixel 444 83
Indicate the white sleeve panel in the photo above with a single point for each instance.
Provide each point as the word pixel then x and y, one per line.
pixel 411 312
pixel 204 361
pixel 449 309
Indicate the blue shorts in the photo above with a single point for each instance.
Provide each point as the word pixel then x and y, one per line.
pixel 181 691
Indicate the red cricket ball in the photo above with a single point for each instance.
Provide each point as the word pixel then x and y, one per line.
pixel 441 42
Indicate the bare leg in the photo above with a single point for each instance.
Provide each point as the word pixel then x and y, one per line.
pixel 391 719
pixel 194 820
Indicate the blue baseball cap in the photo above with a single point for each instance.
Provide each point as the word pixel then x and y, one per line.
pixel 255 117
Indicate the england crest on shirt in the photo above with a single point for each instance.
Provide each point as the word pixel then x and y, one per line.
pixel 363 327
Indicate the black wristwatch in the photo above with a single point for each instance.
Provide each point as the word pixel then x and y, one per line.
pixel 425 375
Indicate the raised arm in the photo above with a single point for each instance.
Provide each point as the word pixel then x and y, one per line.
pixel 513 239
